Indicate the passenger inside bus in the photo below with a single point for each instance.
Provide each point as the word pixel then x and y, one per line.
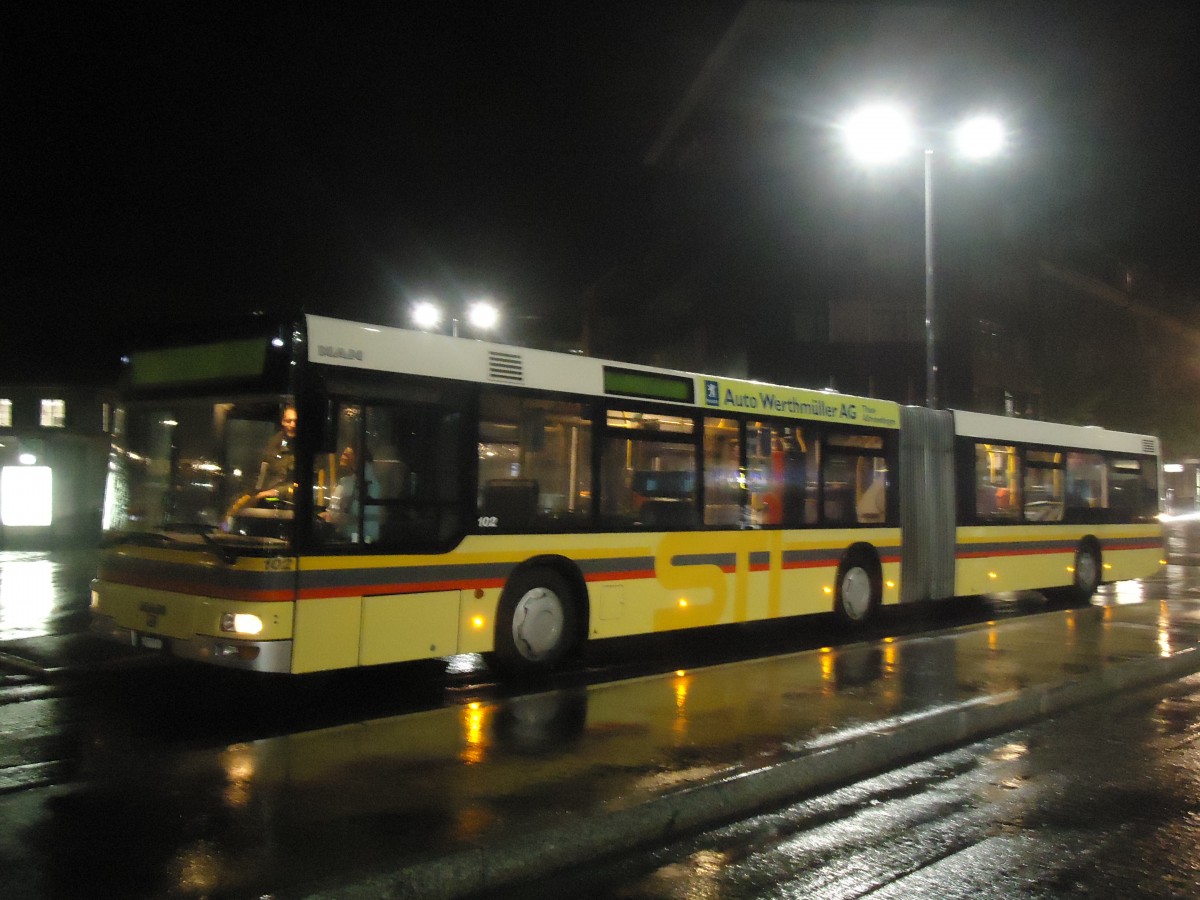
pixel 343 509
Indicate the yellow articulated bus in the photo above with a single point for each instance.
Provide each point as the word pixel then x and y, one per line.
pixel 337 494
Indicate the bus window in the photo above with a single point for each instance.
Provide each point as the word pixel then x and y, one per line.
pixel 781 472
pixel 648 471
pixel 1087 481
pixel 1134 490
pixel 723 479
pixel 997 483
pixel 854 479
pixel 1043 486
pixel 399 487
pixel 535 463
pixel 347 485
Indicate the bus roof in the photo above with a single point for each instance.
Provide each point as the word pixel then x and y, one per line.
pixel 359 345
pixel 1031 431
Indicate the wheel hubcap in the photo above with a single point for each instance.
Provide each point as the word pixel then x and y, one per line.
pixel 856 593
pixel 537 623
pixel 1086 571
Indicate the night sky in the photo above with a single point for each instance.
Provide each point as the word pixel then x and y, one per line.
pixel 170 161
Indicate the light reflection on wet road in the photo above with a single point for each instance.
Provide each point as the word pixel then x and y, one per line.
pixel 86 750
pixel 44 593
pixel 1103 802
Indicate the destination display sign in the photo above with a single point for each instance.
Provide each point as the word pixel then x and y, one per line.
pixel 793 403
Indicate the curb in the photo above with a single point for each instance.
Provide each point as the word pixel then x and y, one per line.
pixel 837 758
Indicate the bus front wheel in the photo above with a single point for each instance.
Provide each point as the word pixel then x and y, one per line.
pixel 536 623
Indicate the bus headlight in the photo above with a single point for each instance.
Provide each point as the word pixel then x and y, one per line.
pixel 241 623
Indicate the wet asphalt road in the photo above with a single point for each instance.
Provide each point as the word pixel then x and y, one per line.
pixel 1073 806
pixel 1103 802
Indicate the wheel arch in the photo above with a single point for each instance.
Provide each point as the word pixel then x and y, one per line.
pixel 570 571
pixel 863 552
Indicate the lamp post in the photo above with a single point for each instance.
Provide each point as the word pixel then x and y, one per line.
pixel 882 133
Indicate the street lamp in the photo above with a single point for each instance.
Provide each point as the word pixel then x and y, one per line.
pixel 481 315
pixel 427 315
pixel 882 133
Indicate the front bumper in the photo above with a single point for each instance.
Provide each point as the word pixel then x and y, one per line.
pixel 251 656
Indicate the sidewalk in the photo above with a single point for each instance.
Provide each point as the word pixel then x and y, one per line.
pixel 479 797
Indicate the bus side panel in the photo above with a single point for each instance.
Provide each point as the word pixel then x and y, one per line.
pixel 719 578
pixel 401 627
pixel 991 559
pixel 1130 551
pixel 326 634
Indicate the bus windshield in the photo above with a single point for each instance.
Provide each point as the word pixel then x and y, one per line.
pixel 204 469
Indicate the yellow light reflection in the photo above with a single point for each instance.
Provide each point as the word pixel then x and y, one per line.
pixel 198 869
pixel 474 734
pixel 891 657
pixel 239 765
pixel 828 663
pixel 1164 629
pixel 472 821
pixel 679 726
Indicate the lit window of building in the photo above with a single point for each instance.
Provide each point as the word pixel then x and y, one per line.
pixel 5 414
pixel 54 413
pixel 26 495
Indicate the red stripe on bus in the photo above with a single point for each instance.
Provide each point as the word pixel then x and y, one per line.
pixel 986 554
pixel 407 587
pixel 617 576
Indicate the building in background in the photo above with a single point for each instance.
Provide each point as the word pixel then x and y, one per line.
pixel 54 444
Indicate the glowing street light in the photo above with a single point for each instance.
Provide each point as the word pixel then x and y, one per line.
pixel 426 315
pixel 481 315
pixel 980 137
pixel 882 133
pixel 879 133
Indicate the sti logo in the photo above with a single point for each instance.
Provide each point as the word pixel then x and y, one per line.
pixel 712 394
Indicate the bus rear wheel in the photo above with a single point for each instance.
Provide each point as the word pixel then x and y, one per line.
pixel 1087 573
pixel 536 624
pixel 859 589
pixel 1085 579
